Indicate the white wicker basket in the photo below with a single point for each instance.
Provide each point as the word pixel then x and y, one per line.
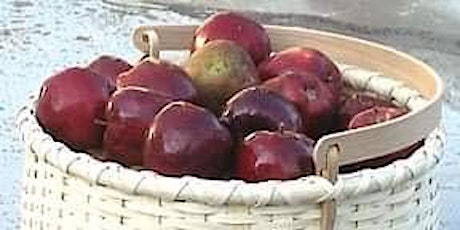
pixel 63 189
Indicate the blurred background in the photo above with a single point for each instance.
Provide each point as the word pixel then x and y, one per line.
pixel 38 38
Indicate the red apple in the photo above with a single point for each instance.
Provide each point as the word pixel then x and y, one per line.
pixel 312 98
pixel 355 103
pixel 256 108
pixel 303 59
pixel 235 27
pixel 185 139
pixel 374 115
pixel 71 105
pixel 109 67
pixel 219 70
pixel 161 77
pixel 265 155
pixel 129 113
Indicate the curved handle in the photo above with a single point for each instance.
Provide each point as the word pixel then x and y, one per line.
pixel 377 140
pixel 353 145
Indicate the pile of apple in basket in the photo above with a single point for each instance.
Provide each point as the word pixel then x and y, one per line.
pixel 235 109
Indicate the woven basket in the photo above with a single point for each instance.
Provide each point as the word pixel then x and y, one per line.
pixel 63 189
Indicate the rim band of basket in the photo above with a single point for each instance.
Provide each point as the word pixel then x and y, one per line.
pixel 309 189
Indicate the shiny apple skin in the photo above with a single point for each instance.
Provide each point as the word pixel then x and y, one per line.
pixel 110 67
pixel 301 60
pixel 161 77
pixel 129 113
pixel 355 103
pixel 258 108
pixel 375 115
pixel 71 107
pixel 265 155
pixel 246 32
pixel 186 139
pixel 313 99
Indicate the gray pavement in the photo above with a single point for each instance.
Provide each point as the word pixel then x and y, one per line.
pixel 38 38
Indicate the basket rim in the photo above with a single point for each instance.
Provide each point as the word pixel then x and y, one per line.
pixel 309 189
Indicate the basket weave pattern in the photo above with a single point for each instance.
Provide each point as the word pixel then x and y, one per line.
pixel 67 190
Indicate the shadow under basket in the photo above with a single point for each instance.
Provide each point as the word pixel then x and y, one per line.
pixel 63 189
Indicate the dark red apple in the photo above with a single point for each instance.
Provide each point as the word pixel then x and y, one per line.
pixel 161 77
pixel 374 115
pixel 312 98
pixel 303 59
pixel 265 155
pixel 235 27
pixel 257 108
pixel 219 70
pixel 185 139
pixel 129 113
pixel 357 102
pixel 109 67
pixel 71 105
